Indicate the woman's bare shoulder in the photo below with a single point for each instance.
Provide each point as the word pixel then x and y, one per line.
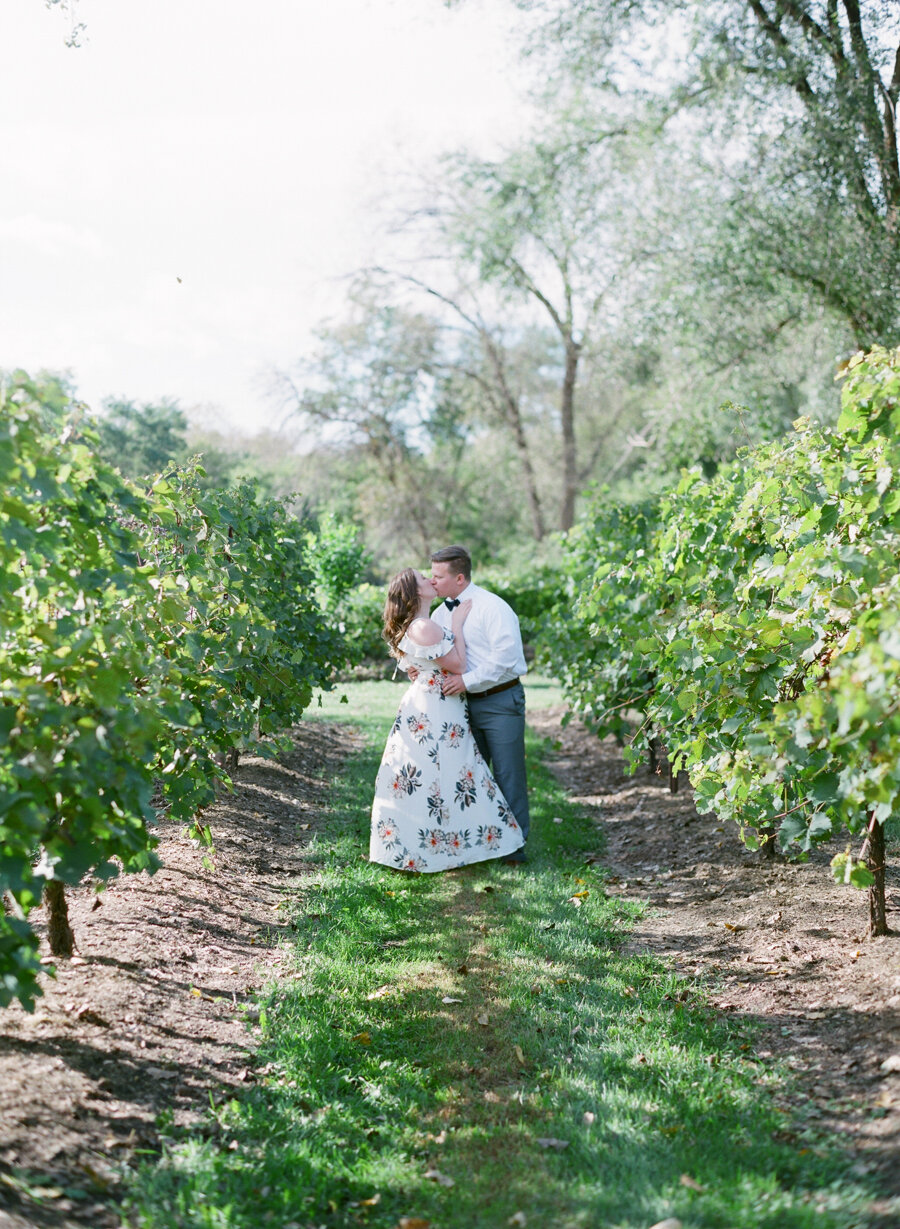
pixel 425 631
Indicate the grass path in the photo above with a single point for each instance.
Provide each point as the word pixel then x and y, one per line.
pixel 471 1051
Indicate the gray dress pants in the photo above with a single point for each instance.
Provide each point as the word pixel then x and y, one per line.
pixel 498 723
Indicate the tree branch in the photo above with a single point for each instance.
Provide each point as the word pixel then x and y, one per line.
pixel 894 87
pixel 881 131
pixel 526 283
pixel 812 28
pixel 777 36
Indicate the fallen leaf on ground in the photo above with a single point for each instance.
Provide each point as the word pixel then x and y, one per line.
pixel 112 1141
pixel 89 1016
pixel 518 1220
pixel 891 1064
pixel 483 1018
pixel 691 1183
pixel 519 1055
pixel 557 819
pixel 735 926
pixel 367 1203
pixel 435 1175
pixel 463 968
pixel 364 1039
pixel 548 1141
pixel 576 901
pixel 413 1222
pixel 448 998
pixel 380 993
pixel 588 1118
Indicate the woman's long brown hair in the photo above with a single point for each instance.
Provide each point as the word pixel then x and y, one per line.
pixel 401 607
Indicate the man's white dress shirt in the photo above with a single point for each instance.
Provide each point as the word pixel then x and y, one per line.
pixel 494 653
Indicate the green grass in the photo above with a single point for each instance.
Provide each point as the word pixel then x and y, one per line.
pixel 368 1080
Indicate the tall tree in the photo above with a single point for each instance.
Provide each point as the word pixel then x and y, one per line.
pixel 481 368
pixel 793 101
pixel 406 433
pixel 553 231
pixel 367 393
pixel 141 439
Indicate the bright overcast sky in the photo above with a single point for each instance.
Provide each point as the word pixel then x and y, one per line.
pixel 239 145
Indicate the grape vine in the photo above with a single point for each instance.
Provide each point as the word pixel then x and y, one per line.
pixel 752 622
pixel 144 635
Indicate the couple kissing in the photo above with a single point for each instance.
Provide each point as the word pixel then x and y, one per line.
pixel 451 788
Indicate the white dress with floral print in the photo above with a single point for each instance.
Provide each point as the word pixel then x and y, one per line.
pixel 437 804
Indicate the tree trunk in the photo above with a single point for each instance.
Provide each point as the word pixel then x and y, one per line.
pixel 875 862
pixel 531 491
pixel 768 833
pixel 59 932
pixel 567 424
pixel 509 408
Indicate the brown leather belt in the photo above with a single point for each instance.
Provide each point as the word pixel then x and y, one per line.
pixel 492 691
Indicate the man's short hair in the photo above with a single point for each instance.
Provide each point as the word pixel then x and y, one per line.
pixel 458 557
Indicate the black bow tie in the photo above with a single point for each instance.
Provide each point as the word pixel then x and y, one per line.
pixel 451 602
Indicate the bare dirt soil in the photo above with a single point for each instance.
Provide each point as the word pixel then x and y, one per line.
pixel 155 1013
pixel 776 941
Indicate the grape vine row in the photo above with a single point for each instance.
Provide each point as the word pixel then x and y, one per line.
pixel 751 621
pixel 145 634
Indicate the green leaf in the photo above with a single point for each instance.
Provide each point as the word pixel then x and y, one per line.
pixel 861 876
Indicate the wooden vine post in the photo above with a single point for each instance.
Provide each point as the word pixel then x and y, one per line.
pixel 875 858
pixel 59 932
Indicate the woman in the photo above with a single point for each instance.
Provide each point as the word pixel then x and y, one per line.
pixel 437 804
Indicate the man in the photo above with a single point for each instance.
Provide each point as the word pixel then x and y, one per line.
pixel 495 660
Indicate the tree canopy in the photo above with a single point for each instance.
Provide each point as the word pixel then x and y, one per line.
pixel 793 102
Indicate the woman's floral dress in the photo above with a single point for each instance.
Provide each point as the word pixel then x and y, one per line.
pixel 437 804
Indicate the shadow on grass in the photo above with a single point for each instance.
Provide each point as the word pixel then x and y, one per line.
pixel 483 1028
